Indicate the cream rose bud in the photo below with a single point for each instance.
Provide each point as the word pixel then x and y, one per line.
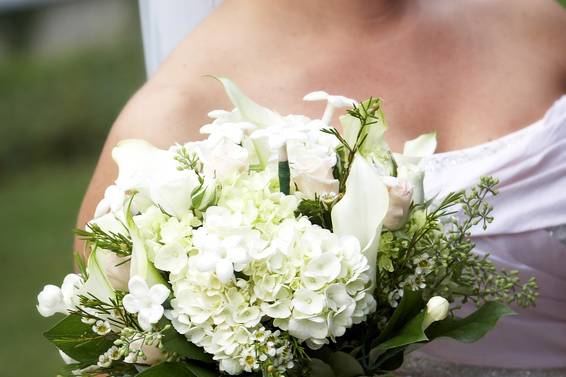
pixel 312 169
pixel 221 158
pixel 436 310
pixel 400 198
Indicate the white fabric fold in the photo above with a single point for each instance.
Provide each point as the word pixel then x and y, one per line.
pixel 531 167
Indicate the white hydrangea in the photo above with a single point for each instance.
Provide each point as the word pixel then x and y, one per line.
pixel 253 260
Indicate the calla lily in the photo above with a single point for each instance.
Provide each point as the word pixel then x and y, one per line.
pixel 361 211
pixel 97 283
pixel 420 147
pixel 249 110
pixel 255 114
pixel 139 263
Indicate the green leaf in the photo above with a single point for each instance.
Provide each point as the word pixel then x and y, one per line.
pixel 320 369
pixel 345 365
pixel 472 327
pixel 174 342
pixel 77 339
pixel 411 304
pixel 171 369
pixel 411 333
pixel 562 2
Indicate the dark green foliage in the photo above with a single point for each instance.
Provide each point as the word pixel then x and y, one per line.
pixel 77 339
pixel 174 342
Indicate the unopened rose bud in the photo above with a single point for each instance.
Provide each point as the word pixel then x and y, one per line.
pixel 436 310
pixel 205 195
pixel 400 198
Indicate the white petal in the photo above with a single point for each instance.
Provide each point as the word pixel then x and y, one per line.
pixel 362 209
pixel 144 323
pixel 318 95
pixel 224 270
pixel 152 314
pixel 250 110
pixel 138 287
pixel 102 208
pixel 131 303
pixel 67 359
pixel 159 293
pixel 97 283
pixel 422 146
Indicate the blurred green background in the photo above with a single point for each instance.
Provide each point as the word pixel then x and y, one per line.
pixel 66 70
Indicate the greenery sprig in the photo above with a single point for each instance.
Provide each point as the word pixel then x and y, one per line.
pixel 95 236
pixel 367 113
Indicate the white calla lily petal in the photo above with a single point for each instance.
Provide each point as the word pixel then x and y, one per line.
pixel 422 146
pixel 249 110
pixel 361 211
pixel 97 283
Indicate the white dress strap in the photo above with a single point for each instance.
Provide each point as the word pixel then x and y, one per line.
pixel 166 22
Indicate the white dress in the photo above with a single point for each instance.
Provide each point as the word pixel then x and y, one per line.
pixel 529 230
pixel 528 234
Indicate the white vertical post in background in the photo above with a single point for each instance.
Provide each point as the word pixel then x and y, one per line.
pixel 166 22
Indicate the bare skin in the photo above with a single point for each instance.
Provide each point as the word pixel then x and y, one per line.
pixel 473 70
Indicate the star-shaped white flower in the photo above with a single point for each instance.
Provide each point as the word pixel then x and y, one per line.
pixel 147 302
pixel 333 102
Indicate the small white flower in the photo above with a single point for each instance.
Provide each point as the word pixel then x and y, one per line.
pixel 101 327
pixel 333 102
pixel 171 257
pixel 114 353
pixel 104 361
pixel 145 301
pixel 53 299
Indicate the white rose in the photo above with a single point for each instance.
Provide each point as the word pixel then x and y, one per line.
pixel 436 310
pixel 400 198
pixel 222 158
pixel 311 169
pixel 154 174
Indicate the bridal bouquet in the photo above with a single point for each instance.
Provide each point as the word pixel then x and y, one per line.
pixel 278 246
